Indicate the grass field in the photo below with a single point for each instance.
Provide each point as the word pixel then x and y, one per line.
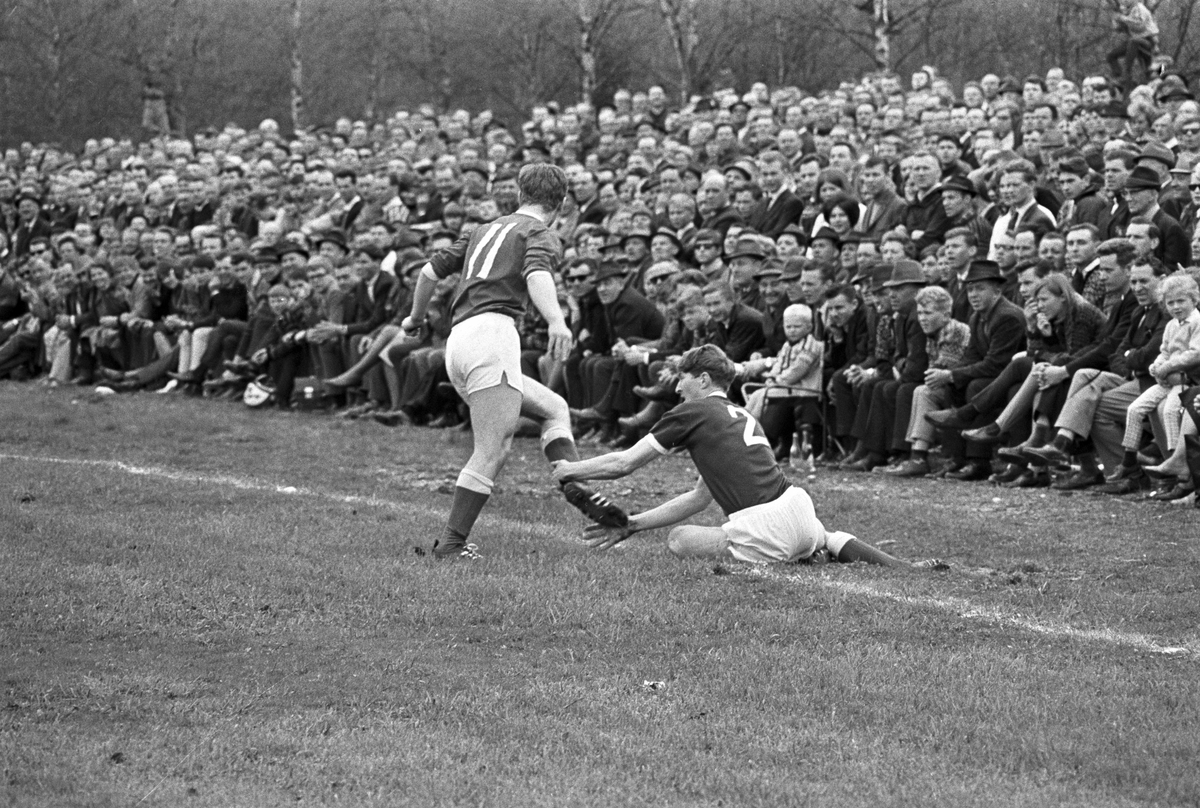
pixel 207 606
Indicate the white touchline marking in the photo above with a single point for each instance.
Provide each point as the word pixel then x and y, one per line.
pixel 989 614
pixel 961 607
pixel 243 484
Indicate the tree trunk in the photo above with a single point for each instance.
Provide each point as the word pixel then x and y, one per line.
pixel 882 25
pixel 587 54
pixel 297 68
pixel 681 23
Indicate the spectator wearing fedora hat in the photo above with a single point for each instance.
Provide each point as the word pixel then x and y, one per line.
pixel 877 426
pixel 1142 190
pixel 997 334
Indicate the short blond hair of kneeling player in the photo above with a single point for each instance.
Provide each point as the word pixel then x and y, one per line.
pixel 770 520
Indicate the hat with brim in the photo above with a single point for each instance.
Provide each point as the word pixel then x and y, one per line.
pixel 959 183
pixel 1185 165
pixel 333 237
pixel 609 269
pixel 879 275
pixel 773 268
pixel 266 255
pixel 905 272
pixel 829 234
pixel 1157 151
pixel 983 271
pixel 644 235
pixel 671 234
pixel 748 248
pixel 285 247
pixel 793 268
pixel 1143 178
pixel 707 237
pixel 794 230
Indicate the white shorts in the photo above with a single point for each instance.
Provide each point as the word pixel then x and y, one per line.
pixel 482 352
pixel 785 529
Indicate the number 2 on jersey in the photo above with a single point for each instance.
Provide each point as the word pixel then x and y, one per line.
pixel 748 435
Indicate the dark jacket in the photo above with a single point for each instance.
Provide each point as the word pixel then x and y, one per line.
pixel 1140 346
pixel 633 318
pixel 771 220
pixel 371 306
pixel 1098 354
pixel 928 217
pixel 996 335
pixel 1062 346
pixel 883 213
pixel 1173 248
pixel 742 336
pixel 910 357
pixel 591 330
pixel 722 220
pixel 855 346
pixel 225 304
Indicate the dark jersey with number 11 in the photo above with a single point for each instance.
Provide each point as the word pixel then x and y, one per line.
pixel 494 261
pixel 730 451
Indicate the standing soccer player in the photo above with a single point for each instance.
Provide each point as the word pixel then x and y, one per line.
pixel 503 265
pixel 769 519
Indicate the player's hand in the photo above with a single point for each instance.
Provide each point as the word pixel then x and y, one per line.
pixel 599 537
pixel 560 470
pixel 411 327
pixel 560 341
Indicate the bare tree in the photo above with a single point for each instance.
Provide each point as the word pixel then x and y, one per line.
pixel 297 82
pixel 594 19
pixel 680 18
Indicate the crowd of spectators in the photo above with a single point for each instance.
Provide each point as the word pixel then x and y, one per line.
pixel 988 282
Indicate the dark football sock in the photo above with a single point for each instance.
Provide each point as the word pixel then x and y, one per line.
pixel 1062 442
pixel 857 550
pixel 463 513
pixel 561 449
pixel 1130 459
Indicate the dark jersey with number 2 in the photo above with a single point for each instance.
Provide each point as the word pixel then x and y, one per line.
pixel 494 261
pixel 730 451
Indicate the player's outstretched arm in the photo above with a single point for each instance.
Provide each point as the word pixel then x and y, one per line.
pixel 669 513
pixel 607 467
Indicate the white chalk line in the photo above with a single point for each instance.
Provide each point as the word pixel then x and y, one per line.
pixel 959 607
pixel 244 484
pixel 967 610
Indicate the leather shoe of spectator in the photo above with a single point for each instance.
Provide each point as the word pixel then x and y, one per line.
pixel 1050 454
pixel 1079 480
pixel 1030 478
pixel 867 463
pixel 1125 485
pixel 972 471
pixel 940 471
pixel 909 468
pixel 985 435
pixel 1007 474
pixel 949 419
pixel 655 393
pixel 588 415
